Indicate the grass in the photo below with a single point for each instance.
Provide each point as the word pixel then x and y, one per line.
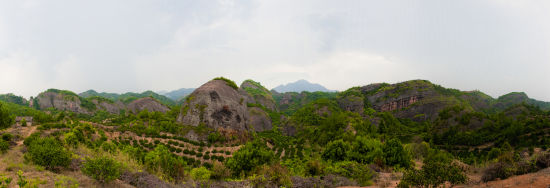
pixel 229 82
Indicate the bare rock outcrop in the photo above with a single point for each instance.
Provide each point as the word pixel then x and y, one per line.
pixel 147 103
pixel 61 101
pixel 216 105
pixel 109 106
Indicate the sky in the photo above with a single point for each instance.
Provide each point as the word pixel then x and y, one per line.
pixel 495 46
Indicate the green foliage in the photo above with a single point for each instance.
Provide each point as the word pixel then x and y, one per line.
pixel 200 174
pixel 23 122
pixel 48 152
pixel 300 100
pixel 102 169
pixel 4 146
pixel 336 151
pixel 395 154
pixel 21 180
pixel 6 119
pixel 11 98
pixel 162 160
pixel 438 168
pixel 366 150
pixel 351 169
pixel 229 82
pixel 248 157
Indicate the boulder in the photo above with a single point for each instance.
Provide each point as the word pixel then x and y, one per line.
pixel 216 105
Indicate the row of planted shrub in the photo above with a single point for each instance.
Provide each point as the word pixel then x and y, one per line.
pixel 199 153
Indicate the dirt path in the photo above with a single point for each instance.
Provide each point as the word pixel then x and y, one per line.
pixel 25 132
pixel 537 179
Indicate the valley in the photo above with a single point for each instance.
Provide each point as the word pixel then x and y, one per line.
pixel 408 134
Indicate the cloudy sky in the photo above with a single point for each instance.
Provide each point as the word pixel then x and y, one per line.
pixel 496 46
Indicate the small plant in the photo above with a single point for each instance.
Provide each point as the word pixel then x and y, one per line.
pixel 21 180
pixel 102 169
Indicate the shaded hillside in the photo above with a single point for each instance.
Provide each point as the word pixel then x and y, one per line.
pixel 299 86
pixel 179 94
pixel 11 98
pixel 129 96
pixel 514 98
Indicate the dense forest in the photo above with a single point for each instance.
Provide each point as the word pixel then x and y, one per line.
pixel 424 134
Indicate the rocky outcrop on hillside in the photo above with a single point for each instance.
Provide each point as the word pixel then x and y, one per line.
pixel 258 94
pixel 61 101
pixel 109 106
pixel 216 105
pixel 147 103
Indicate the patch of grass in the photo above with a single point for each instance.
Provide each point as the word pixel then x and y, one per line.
pixel 229 82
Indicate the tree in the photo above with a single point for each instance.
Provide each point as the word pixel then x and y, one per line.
pixel 250 156
pixel 366 150
pixel 162 160
pixel 438 168
pixel 336 151
pixel 102 169
pixel 48 152
pixel 395 154
pixel 6 119
pixel 23 122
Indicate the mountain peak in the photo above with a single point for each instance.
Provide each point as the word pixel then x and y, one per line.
pixel 299 86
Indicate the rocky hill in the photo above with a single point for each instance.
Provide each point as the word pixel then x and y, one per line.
pixel 69 101
pixel 129 96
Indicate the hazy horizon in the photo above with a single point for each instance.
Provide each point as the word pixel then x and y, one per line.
pixel 493 46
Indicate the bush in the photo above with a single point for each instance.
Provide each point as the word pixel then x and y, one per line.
pixel 219 171
pixel 7 137
pixel 498 170
pixel 48 152
pixel 5 118
pixel 395 154
pixel 272 175
pixel 365 150
pixel 250 156
pixel 314 168
pixel 351 169
pixel 161 160
pixel 438 168
pixel 4 146
pixel 229 82
pixel 102 169
pixel 336 151
pixel 201 175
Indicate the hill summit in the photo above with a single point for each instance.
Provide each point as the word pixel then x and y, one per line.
pixel 301 85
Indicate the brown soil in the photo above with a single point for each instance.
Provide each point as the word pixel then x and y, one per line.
pixel 532 180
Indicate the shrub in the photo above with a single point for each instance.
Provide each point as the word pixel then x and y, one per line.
pixel 395 154
pixel 272 175
pixel 250 156
pixel 161 160
pixel 4 146
pixel 314 168
pixel 48 152
pixel 201 175
pixel 102 169
pixel 229 82
pixel 497 170
pixel 365 150
pixel 336 151
pixel 351 169
pixel 438 168
pixel 31 138
pixel 219 171
pixel 7 137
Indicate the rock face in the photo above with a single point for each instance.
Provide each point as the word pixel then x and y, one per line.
pixel 258 94
pixel 109 106
pixel 216 105
pixel 259 119
pixel 146 103
pixel 60 101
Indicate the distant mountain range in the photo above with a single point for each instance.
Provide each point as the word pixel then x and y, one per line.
pixel 176 95
pixel 301 85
